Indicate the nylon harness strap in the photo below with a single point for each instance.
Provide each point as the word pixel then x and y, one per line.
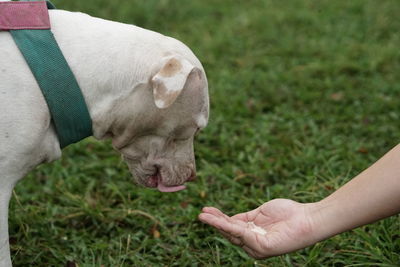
pixel 29 24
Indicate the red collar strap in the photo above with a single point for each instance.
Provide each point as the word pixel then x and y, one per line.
pixel 24 15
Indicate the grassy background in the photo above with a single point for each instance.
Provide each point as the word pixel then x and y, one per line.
pixel 304 95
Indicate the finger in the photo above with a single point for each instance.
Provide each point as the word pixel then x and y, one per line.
pixel 253 253
pixel 217 221
pixel 210 219
pixel 213 211
pixel 216 212
pixel 232 227
pixel 235 233
pixel 247 216
pixel 241 216
pixel 249 251
pixel 233 239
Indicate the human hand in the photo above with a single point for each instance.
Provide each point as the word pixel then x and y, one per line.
pixel 288 224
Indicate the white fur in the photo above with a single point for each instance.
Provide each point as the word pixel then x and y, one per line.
pixel 114 64
pixel 201 121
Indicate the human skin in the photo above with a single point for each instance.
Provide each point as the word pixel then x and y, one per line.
pixel 372 195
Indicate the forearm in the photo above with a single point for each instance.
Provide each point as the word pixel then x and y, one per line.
pixel 372 195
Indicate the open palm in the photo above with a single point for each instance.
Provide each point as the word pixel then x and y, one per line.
pixel 287 224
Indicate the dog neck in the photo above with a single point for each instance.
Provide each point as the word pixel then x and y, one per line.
pixel 110 60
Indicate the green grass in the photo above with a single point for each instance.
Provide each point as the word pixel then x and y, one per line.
pixel 304 95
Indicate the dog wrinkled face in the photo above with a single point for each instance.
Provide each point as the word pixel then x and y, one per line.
pixel 162 161
pixel 159 152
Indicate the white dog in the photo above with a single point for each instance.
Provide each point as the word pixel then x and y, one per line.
pixel 146 91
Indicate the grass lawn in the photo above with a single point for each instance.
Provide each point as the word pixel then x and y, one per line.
pixel 304 96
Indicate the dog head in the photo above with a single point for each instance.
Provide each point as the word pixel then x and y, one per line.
pixel 170 109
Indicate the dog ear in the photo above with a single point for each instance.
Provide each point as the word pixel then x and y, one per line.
pixel 169 81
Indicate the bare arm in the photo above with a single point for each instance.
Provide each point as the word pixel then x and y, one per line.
pixel 372 195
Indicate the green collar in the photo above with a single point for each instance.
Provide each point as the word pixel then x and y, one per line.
pixel 64 98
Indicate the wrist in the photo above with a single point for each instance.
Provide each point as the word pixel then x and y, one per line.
pixel 321 220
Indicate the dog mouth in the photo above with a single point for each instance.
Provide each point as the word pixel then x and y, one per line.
pixel 156 181
pixel 153 179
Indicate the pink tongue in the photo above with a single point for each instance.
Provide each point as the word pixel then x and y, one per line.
pixel 163 188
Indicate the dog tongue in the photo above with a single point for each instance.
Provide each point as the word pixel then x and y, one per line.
pixel 163 188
